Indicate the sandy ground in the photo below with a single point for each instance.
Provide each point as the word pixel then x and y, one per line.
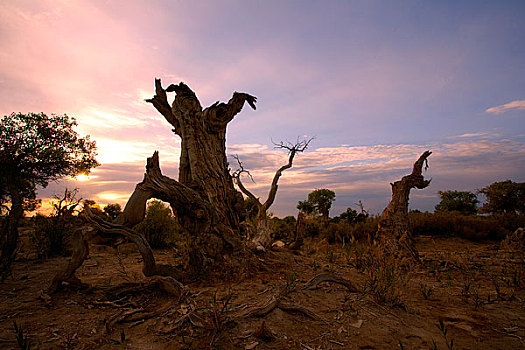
pixel 476 289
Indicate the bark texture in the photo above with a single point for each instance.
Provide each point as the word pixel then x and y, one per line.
pixel 393 230
pixel 204 197
pixel 299 231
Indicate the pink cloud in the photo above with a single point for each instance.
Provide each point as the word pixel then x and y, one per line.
pixel 514 105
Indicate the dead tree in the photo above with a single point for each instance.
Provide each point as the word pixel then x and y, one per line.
pixel 67 203
pixel 393 232
pixel 299 231
pixel 261 239
pixel 204 198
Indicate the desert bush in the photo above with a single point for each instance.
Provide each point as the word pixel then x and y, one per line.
pixel 355 254
pixel 283 228
pixel 387 280
pixel 509 221
pixel 50 235
pixel 344 231
pixel 334 231
pixel 113 210
pixel 366 228
pixel 159 227
pixel 455 224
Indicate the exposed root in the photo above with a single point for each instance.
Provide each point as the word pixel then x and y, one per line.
pixel 324 277
pixel 79 240
pixel 193 318
pixel 165 276
pixel 264 310
pixel 135 315
pixel 292 307
pixel 276 302
pixel 171 285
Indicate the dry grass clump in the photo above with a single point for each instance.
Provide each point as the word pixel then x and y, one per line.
pixel 515 241
pixel 387 278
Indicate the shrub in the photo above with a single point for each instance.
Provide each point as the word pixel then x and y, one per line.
pixel 113 210
pixel 462 201
pixel 51 235
pixel 283 228
pixel 387 281
pixel 159 226
pixel 456 224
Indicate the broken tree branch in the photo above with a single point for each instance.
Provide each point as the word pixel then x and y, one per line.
pixel 324 277
pixel 261 237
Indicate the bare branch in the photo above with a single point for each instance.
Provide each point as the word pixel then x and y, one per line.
pixel 297 147
pixel 68 202
pixel 241 169
pixel 160 102
pixel 220 114
pixel 418 165
pixel 237 176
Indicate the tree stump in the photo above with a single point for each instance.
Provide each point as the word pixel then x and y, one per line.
pixel 393 231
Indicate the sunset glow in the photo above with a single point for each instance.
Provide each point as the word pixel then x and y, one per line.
pixel 82 177
pixel 375 83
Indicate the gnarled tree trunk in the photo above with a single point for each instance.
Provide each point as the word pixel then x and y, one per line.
pixel 9 231
pixel 393 230
pixel 204 198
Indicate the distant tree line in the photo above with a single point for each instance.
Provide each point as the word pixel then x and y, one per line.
pixel 505 197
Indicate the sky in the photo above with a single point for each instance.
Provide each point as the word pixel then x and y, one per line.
pixel 375 82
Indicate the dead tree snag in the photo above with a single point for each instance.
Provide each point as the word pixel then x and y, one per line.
pixel 261 239
pixel 300 227
pixel 204 199
pixel 393 232
pixel 211 206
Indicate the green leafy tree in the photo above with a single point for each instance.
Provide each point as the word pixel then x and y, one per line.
pixel 461 201
pixel 113 210
pixel 504 197
pixel 306 207
pixel 350 215
pixel 320 200
pixel 159 226
pixel 35 149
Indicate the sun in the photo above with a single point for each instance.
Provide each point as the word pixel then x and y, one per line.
pixel 82 177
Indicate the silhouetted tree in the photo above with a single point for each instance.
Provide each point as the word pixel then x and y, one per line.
pixel 34 150
pixel 461 201
pixel 113 210
pixel 349 215
pixel 51 233
pixel 320 200
pixel 504 197
pixel 306 207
